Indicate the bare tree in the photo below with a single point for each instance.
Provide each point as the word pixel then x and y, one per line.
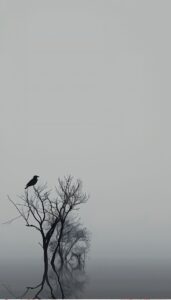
pixel 44 212
pixel 70 257
pixel 74 242
pixel 71 280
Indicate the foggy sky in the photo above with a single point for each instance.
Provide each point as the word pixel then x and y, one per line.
pixel 85 90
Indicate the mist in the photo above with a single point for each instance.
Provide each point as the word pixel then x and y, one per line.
pixel 85 91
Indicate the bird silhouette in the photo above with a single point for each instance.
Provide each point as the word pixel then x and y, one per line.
pixel 32 182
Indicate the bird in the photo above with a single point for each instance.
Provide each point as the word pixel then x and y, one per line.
pixel 32 182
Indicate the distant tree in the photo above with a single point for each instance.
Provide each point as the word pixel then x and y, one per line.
pixel 71 280
pixel 48 214
pixel 70 256
pixel 73 245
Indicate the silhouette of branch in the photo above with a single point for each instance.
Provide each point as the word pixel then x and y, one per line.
pixel 9 290
pixel 11 220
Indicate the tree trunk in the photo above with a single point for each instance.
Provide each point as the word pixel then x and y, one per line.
pixel 45 257
pixel 45 273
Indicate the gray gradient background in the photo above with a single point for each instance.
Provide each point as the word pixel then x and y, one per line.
pixel 85 89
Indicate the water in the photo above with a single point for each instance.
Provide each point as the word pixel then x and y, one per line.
pixel 129 280
pixel 102 279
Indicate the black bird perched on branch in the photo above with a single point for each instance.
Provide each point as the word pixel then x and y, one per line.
pixel 32 182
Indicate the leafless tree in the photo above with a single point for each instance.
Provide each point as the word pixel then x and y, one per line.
pixel 74 242
pixel 71 280
pixel 71 253
pixel 45 212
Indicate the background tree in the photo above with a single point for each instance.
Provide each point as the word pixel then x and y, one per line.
pixel 70 257
pixel 74 243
